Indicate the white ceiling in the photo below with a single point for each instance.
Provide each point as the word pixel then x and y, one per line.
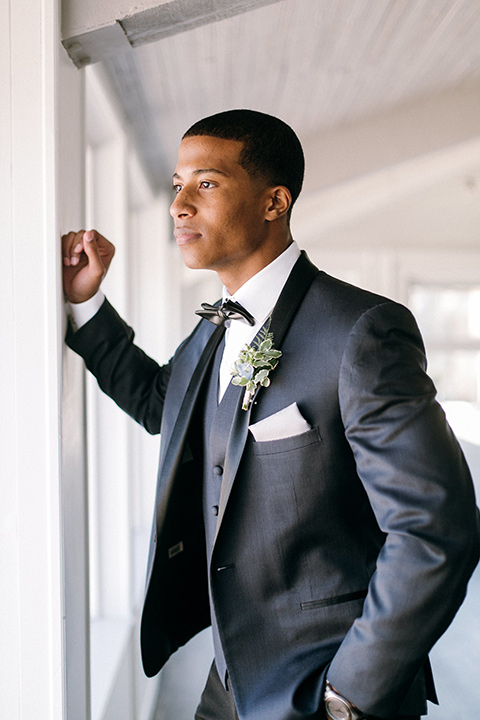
pixel 318 64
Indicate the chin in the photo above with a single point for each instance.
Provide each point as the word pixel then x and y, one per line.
pixel 191 261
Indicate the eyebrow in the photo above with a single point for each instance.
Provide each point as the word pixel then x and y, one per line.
pixel 176 176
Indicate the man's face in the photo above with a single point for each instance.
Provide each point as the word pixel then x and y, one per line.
pixel 219 209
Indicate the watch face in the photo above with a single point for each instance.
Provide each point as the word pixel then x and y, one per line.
pixel 337 709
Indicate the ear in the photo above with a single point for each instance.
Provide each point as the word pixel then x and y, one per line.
pixel 279 201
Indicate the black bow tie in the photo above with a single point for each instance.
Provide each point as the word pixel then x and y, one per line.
pixel 228 310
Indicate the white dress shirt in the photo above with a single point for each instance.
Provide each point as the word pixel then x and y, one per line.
pixel 258 295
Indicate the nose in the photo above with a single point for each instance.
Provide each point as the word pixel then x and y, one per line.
pixel 181 206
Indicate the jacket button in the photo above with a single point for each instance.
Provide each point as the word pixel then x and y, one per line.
pixel 218 470
pixel 215 509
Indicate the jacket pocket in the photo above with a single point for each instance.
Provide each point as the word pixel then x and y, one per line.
pixel 271 447
pixel 336 600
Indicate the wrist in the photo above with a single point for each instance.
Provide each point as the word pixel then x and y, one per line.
pixel 82 312
pixel 338 707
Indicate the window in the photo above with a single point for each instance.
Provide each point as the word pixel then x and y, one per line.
pixel 449 318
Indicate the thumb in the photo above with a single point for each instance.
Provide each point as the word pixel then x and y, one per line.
pixel 90 247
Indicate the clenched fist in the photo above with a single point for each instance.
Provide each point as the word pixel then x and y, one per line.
pixel 86 259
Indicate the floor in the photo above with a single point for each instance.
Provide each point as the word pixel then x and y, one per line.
pixel 183 679
pixel 456 662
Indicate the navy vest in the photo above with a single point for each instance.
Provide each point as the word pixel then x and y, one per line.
pixel 217 420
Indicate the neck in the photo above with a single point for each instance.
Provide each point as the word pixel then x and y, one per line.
pixel 235 277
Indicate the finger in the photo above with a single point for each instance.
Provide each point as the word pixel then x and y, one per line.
pixel 104 247
pixel 90 247
pixel 76 252
pixel 70 239
pixel 72 247
pixel 101 242
pixel 66 245
pixel 77 247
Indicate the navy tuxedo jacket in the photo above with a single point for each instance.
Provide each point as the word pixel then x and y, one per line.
pixel 347 547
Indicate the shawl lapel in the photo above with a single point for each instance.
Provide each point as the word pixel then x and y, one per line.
pixel 295 289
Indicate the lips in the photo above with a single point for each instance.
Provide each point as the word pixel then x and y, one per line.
pixel 185 235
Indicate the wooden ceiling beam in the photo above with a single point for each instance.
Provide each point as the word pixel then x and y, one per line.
pixel 93 31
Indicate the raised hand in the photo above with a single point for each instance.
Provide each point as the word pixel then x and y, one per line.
pixel 86 259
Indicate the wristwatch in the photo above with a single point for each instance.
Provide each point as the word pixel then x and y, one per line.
pixel 338 707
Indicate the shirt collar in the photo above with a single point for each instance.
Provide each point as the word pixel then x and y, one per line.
pixel 261 292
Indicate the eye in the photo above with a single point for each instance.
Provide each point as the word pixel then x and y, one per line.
pixel 206 184
pixel 176 189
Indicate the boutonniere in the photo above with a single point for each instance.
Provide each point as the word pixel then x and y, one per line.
pixel 254 365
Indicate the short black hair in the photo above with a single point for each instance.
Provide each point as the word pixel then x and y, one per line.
pixel 271 149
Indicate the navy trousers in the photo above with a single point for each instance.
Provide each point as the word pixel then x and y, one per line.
pixel 218 704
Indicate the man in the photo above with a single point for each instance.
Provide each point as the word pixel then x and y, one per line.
pixel 320 515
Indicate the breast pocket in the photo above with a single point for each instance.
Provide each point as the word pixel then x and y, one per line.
pixel 288 444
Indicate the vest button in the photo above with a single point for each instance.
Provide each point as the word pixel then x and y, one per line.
pixel 218 470
pixel 215 509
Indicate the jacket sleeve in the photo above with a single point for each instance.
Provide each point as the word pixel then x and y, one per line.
pixel 124 372
pixel 421 492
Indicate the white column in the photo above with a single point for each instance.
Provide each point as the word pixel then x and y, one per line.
pixel 71 215
pixel 32 659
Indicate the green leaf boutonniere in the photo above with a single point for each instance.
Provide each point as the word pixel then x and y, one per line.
pixel 254 365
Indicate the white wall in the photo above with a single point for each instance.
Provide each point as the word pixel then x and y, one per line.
pixel 32 600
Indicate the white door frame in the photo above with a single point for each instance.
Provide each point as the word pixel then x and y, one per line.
pixel 41 171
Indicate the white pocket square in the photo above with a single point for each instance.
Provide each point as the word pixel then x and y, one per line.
pixel 285 423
